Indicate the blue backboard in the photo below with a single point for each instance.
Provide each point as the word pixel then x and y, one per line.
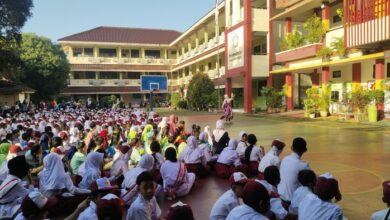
pixel 154 83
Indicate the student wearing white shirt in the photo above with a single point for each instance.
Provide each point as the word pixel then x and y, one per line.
pixel 230 199
pixel 145 207
pixel 194 158
pixel 272 157
pixel 242 145
pixel 307 179
pixel 384 213
pixel 256 203
pixel 253 155
pixel 319 206
pixel 229 162
pixel 289 169
pixel 36 206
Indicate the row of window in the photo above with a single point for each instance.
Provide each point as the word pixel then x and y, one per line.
pixel 112 52
pixel 108 75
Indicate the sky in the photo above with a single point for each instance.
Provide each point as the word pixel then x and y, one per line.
pixel 60 18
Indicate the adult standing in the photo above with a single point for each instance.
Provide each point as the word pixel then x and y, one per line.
pixel 227 106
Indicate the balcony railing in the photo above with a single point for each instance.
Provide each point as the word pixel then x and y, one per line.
pixel 104 82
pixel 298 53
pixel 116 60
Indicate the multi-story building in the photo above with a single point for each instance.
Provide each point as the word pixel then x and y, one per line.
pixel 362 26
pixel 230 44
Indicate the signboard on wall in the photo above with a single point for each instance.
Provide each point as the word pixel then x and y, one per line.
pixel 236 48
pixel 280 4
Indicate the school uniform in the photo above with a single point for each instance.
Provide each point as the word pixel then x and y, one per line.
pixel 270 159
pixel 297 198
pixel 142 209
pixel 276 203
pixel 380 215
pixel 194 158
pixel 229 162
pixel 92 169
pixel 289 169
pixel 245 212
pixel 224 205
pixel 12 193
pixel 176 180
pixel 312 207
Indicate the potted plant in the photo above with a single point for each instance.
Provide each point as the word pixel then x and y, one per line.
pixel 359 101
pixel 340 12
pixel 315 29
pixel 292 40
pixel 273 99
pixel 338 46
pixel 375 96
pixel 311 103
pixel 325 52
pixel 324 101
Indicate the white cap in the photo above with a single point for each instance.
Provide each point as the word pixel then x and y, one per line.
pixel 238 177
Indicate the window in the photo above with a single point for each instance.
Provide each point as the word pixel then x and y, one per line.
pixel 88 52
pixel 261 84
pixel 210 65
pixel 202 68
pixel 90 75
pixel 336 74
pixel 154 54
pixel 373 71
pixel 388 70
pixel 133 75
pixel 77 52
pixel 109 75
pixel 136 96
pixel 125 53
pixel 134 53
pixel 77 75
pixel 107 52
pixel 173 52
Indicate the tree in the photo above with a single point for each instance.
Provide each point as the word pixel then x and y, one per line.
pixel 13 16
pixel 45 67
pixel 201 92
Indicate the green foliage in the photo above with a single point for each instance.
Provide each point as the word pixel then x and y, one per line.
pixel 312 102
pixel 340 12
pixel 324 101
pixel 175 98
pixel 45 67
pixel 182 104
pixel 273 97
pixel 14 15
pixel 359 99
pixel 376 96
pixel 292 40
pixel 338 45
pixel 108 101
pixel 324 52
pixel 314 29
pixel 201 92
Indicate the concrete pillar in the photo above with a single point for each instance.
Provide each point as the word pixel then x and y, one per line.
pixel 206 35
pixel 189 46
pixel 119 52
pixel 270 80
pixel 196 40
pixel 288 25
pixel 165 53
pixel 325 15
pixel 248 56
pixel 228 18
pixel 197 68
pixel 95 52
pixel 315 78
pixel 325 78
pixel 121 75
pixel 289 82
pixel 228 87
pixel 97 75
pixel 379 73
pixel 183 51
pixel 356 75
pixel 142 53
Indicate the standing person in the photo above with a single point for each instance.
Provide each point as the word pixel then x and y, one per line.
pixel 172 121
pixel 227 106
pixel 253 155
pixel 220 137
pixel 256 203
pixel 384 213
pixel 230 199
pixel 145 207
pixel 289 169
pixel 319 205
pixel 177 182
pixel 272 157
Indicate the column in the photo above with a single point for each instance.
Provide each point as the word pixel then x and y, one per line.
pixel 96 75
pixel 121 75
pixel 379 73
pixel 236 8
pixel 325 78
pixel 228 87
pixel 196 40
pixel 183 51
pixel 142 51
pixel 289 93
pixel 356 75
pixel 315 79
pixel 189 46
pixel 288 25
pixel 206 35
pixel 270 80
pixel 228 18
pixel 119 52
pixel 325 15
pixel 248 56
pixel 197 68
pixel 95 52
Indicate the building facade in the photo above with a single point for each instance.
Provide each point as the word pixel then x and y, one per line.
pixel 110 60
pixel 361 27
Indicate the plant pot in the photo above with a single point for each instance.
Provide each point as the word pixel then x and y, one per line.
pixel 324 113
pixel 312 115
pixel 359 116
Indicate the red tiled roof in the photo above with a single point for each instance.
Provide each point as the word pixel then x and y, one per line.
pixel 125 35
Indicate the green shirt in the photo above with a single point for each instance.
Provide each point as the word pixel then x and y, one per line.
pixel 77 159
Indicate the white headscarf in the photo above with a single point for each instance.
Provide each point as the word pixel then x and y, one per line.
pixel 53 174
pixel 146 162
pixel 232 144
pixel 163 123
pixel 219 130
pixel 93 162
pixel 204 137
pixel 241 134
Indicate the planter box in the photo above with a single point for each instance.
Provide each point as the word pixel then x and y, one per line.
pixel 298 53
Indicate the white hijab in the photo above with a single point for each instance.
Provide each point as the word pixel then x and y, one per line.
pixel 146 163
pixel 163 123
pixel 93 162
pixel 53 174
pixel 192 145
pixel 232 144
pixel 219 130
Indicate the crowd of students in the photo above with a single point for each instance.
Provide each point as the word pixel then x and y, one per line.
pixel 96 164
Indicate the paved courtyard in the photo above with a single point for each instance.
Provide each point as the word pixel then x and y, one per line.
pixel 358 155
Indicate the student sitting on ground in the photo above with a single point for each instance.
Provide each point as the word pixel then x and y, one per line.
pixel 272 157
pixel 384 213
pixel 307 179
pixel 230 199
pixel 145 207
pixel 242 145
pixel 253 155
pixel 177 182
pixel 229 162
pixel 36 206
pixel 194 159
pixel 180 211
pixel 256 203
